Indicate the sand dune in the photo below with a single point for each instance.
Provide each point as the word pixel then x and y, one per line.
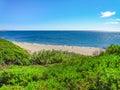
pixel 33 47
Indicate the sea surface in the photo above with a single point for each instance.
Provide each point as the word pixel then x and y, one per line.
pixel 70 38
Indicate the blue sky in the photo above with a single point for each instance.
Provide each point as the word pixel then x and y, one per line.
pixel 60 15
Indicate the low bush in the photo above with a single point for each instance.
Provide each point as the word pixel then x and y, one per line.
pixel 84 73
pixel 93 73
pixel 113 49
pixel 21 75
pixel 51 57
pixel 66 71
pixel 12 54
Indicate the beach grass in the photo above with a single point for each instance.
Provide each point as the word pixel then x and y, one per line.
pixel 12 54
pixel 58 70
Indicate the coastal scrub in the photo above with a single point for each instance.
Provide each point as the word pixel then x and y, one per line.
pixel 58 70
pixel 12 54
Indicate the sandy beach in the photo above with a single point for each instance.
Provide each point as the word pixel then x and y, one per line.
pixel 34 47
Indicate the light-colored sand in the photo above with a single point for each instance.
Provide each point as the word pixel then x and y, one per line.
pixel 33 47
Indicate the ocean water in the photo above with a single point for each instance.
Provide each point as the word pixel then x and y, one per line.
pixel 70 38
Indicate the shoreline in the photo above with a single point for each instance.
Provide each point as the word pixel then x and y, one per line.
pixel 35 47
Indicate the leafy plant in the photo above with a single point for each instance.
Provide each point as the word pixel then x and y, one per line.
pixel 113 49
pixel 57 70
pixel 51 57
pixel 12 54
pixel 21 75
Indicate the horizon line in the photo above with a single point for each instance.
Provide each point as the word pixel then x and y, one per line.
pixel 94 30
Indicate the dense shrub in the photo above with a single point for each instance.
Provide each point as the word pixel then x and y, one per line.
pixel 50 57
pixel 91 73
pixel 9 87
pixel 66 71
pixel 113 49
pixel 85 74
pixel 12 54
pixel 18 75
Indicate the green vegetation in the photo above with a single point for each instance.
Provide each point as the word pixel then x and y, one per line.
pixel 57 70
pixel 113 49
pixel 51 57
pixel 19 75
pixel 12 54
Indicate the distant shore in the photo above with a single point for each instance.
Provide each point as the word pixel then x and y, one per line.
pixel 34 47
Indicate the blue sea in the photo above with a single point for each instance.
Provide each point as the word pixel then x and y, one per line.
pixel 70 38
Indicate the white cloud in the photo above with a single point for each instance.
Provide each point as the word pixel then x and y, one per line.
pixel 114 22
pixel 117 19
pixel 107 14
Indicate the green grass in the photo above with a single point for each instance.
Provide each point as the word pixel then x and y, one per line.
pixel 57 70
pixel 52 57
pixel 113 49
pixel 21 76
pixel 12 54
